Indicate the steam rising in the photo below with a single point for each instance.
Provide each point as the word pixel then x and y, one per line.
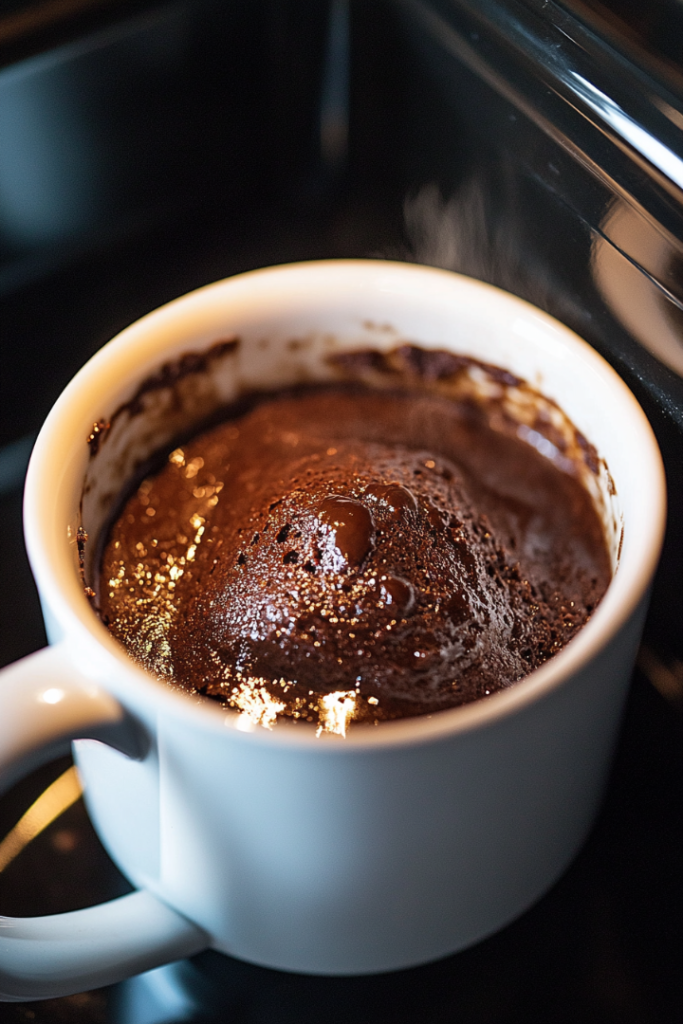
pixel 490 230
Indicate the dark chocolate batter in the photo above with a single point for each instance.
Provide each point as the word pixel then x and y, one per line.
pixel 345 555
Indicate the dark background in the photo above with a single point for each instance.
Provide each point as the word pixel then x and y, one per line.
pixel 147 149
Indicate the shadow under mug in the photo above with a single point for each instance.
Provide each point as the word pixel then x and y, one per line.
pixel 397 845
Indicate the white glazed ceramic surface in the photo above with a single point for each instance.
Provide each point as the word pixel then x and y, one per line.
pixel 397 845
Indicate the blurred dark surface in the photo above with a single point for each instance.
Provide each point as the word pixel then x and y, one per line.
pixel 150 148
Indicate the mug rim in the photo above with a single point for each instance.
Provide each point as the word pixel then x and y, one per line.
pixel 100 656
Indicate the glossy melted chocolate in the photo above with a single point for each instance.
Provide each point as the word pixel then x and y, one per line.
pixel 345 555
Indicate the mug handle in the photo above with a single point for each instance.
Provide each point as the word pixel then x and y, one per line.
pixel 45 703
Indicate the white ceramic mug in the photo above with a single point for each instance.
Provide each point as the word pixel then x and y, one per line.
pixel 392 847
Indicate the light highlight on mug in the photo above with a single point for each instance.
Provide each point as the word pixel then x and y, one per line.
pixel 51 696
